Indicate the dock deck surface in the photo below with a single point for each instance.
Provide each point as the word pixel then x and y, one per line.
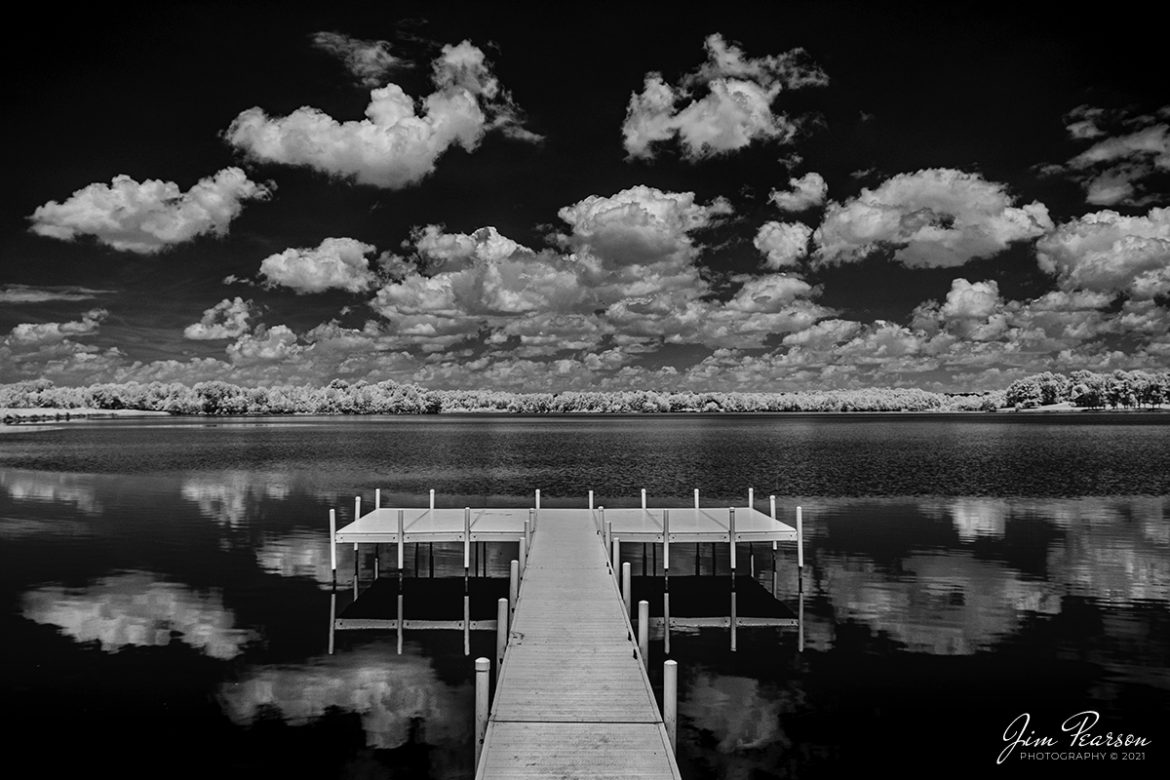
pixel 573 698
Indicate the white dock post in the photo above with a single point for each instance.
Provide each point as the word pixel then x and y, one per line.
pixel 751 498
pixel 401 538
pixel 643 498
pixel 523 555
pixel 501 634
pixel 530 526
pixel 666 618
pixel 466 539
pixel 799 539
pixel 357 507
pixel 666 542
pixel 357 561
pixel 644 632
pixel 538 498
pixel 772 507
pixel 432 504
pixel 670 701
pixel 696 499
pixel 377 498
pixel 466 623
pixel 482 668
pixel 800 623
pixel 333 542
pixel 513 583
pixel 731 536
pixel 615 555
pixel 590 499
pixel 626 586
pixel 376 561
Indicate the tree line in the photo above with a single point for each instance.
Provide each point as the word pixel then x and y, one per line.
pixel 1125 389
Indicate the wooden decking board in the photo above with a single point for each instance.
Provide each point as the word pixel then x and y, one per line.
pixel 573 699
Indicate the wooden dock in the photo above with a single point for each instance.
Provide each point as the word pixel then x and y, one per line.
pixel 572 697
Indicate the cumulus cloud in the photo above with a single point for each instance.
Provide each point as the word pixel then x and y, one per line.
pixel 394 146
pixel 265 345
pixel 937 217
pixel 724 105
pixel 337 263
pixel 1127 150
pixel 369 61
pixel 803 193
pixel 23 293
pixel 149 217
pixel 28 334
pixel 1108 252
pixel 783 243
pixel 227 319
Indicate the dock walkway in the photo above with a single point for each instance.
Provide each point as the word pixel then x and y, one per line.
pixel 573 698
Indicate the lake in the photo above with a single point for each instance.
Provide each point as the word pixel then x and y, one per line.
pixel 166 589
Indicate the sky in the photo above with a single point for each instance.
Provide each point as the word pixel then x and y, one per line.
pixel 760 197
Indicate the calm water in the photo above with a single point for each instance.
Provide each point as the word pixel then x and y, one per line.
pixel 165 589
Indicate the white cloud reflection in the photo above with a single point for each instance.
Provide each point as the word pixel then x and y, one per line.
pixel 136 609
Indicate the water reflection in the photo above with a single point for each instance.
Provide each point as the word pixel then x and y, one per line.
pixel 232 498
pixel 297 555
pixel 135 609
pixel 393 695
pixel 979 517
pixel 48 488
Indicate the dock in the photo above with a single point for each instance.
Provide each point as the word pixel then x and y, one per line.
pixel 572 695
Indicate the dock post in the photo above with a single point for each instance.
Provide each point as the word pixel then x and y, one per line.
pixel 377 498
pixel 482 668
pixel 501 634
pixel 644 632
pixel 332 617
pixel 376 561
pixel 696 499
pixel 357 507
pixel 530 526
pixel 666 616
pixel 538 499
pixel 432 503
pixel 466 619
pixel 772 507
pixel 752 560
pixel 333 542
pixel 466 539
pixel 401 539
pixel 523 555
pixel 513 583
pixel 800 623
pixel 590 500
pixel 751 498
pixel 670 701
pixel 643 498
pixel 731 536
pixel 626 586
pixel 799 539
pixel 615 555
pixel 734 618
pixel 400 617
pixel 665 542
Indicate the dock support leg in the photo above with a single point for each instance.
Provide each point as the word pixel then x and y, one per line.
pixel 523 556
pixel 401 540
pixel 466 540
pixel 332 617
pixel 514 583
pixel 400 617
pixel 333 542
pixel 615 555
pixel 626 586
pixel 482 670
pixel 799 539
pixel 665 542
pixel 670 702
pixel 644 632
pixel 734 617
pixel 377 498
pixel 501 634
pixel 666 617
pixel 376 551
pixel 466 619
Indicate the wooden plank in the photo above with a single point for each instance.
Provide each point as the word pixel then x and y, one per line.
pixel 601 751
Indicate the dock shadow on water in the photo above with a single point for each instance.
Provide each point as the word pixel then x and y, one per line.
pixel 168 605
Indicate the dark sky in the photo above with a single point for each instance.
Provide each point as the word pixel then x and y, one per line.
pixel 939 195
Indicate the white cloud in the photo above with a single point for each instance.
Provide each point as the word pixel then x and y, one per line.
pixel 151 216
pixel 337 263
pixel 23 293
pixel 1108 252
pixel 29 334
pixel 266 345
pixel 803 193
pixel 369 61
pixel 724 105
pixel 1127 150
pixel 227 319
pixel 393 147
pixel 937 217
pixel 783 243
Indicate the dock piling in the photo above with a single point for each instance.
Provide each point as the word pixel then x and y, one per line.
pixel 734 619
pixel 523 559
pixel 466 539
pixel 538 499
pixel 501 633
pixel 643 498
pixel 696 499
pixel 670 701
pixel 482 668
pixel 432 502
pixel 644 631
pixel 332 617
pixel 615 555
pixel 513 583
pixel 666 542
pixel 799 539
pixel 401 539
pixel 377 498
pixel 731 536
pixel 626 586
pixel 751 498
pixel 666 617
pixel 357 507
pixel 333 542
